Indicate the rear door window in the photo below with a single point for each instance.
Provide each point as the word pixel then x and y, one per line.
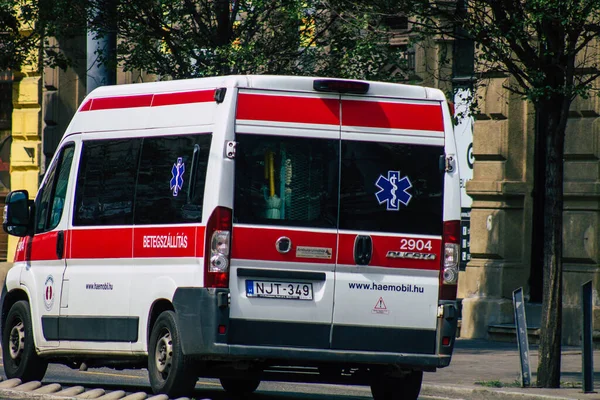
pixel 287 181
pixel 391 187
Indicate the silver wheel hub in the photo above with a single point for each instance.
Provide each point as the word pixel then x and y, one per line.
pixel 17 340
pixel 164 353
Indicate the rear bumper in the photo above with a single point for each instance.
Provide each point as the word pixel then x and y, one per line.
pixel 200 312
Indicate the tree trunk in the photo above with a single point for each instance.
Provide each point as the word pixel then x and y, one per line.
pixel 222 14
pixel 552 112
pixel 536 281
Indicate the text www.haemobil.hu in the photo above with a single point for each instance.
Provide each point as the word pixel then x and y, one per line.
pixel 386 288
pixel 99 286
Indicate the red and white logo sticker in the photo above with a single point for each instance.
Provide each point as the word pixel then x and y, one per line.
pixel 380 307
pixel 49 293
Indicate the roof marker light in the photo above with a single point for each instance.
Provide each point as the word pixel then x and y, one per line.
pixel 340 86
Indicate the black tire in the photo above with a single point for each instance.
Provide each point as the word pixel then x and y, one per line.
pixel 169 371
pixel 406 387
pixel 239 387
pixel 18 348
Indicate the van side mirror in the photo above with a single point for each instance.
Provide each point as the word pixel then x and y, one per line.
pixel 17 215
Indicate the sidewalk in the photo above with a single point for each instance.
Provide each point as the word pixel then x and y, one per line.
pixel 478 366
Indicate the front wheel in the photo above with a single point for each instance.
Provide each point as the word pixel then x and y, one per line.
pixel 169 371
pixel 18 348
pixel 406 387
pixel 239 387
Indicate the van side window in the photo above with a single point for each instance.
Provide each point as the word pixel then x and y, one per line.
pixel 391 187
pixel 172 173
pixel 106 182
pixel 50 201
pixel 289 181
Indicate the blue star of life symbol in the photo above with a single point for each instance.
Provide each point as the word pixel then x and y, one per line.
pixel 393 190
pixel 177 179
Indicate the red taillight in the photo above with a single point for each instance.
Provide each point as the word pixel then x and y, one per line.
pixel 450 260
pixel 217 248
pixel 451 232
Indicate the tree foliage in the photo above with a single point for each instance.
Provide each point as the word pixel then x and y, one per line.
pixel 195 38
pixel 547 46
pixel 15 45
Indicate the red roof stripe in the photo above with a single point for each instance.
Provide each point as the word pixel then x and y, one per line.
pixel 148 100
pixel 109 103
pixel 168 99
pixel 378 114
pixel 308 110
pixel 87 105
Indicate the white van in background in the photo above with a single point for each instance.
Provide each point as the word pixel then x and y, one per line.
pixel 240 227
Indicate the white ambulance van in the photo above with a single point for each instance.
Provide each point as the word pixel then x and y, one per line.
pixel 246 228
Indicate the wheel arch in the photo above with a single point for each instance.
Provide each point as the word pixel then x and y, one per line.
pixel 9 300
pixel 158 307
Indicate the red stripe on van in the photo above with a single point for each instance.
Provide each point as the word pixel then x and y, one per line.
pixel 115 243
pixel 306 110
pixel 42 246
pixel 378 114
pixel 101 243
pixel 109 103
pixel 383 244
pixel 169 99
pixel 159 242
pixel 20 251
pixel 259 244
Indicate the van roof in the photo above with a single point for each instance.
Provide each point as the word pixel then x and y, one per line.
pixel 268 82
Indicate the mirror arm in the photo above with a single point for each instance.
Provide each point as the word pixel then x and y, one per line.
pixel 31 227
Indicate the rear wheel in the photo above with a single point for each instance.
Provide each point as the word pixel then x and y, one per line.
pixel 406 387
pixel 170 372
pixel 18 348
pixel 239 387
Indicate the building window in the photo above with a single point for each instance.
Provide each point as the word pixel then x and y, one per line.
pixel 6 80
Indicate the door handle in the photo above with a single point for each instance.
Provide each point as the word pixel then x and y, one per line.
pixel 60 245
pixel 363 249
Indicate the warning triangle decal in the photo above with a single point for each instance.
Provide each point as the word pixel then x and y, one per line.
pixel 380 304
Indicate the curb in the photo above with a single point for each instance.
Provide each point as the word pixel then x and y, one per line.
pixel 14 389
pixel 480 393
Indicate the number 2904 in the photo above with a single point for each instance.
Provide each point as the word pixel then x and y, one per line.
pixel 415 244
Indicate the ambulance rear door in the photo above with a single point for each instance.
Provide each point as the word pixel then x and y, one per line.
pixel 390 225
pixel 284 240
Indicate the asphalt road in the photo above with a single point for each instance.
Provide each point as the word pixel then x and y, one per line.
pixel 206 389
pixel 132 381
